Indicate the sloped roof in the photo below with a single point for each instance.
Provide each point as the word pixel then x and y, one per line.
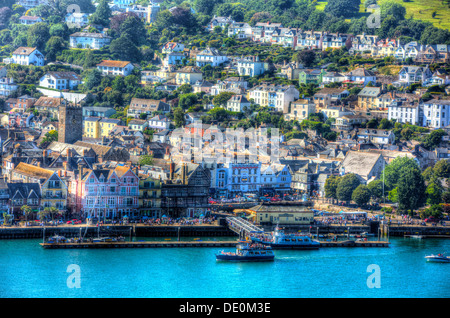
pixel 33 171
pixel 109 63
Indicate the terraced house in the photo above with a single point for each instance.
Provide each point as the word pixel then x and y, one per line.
pixel 105 192
pixel 53 184
pixel 108 67
pixel 149 196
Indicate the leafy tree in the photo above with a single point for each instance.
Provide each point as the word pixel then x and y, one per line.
pixel 433 139
pixel 393 195
pixel 393 171
pixel 124 49
pixel 54 46
pixel 331 185
pixel 442 169
pixel 347 184
pixel 92 78
pixel 187 100
pixel 376 189
pixel 411 189
pixel 178 117
pixel 38 35
pixel 221 99
pixel 102 14
pixel 146 160
pixel 434 192
pixel 26 210
pixel 342 8
pixel 306 57
pixel 361 195
pixel 206 6
pixel 392 8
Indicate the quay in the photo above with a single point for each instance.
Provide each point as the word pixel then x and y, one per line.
pixel 139 244
pixel 155 244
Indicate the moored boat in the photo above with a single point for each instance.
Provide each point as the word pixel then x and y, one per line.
pixel 247 251
pixel 439 258
pixel 279 240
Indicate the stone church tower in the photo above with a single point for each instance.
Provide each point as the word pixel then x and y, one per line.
pixel 70 128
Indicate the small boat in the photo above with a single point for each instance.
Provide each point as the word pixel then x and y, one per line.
pixel 279 240
pixel 247 251
pixel 107 239
pixel 440 258
pixel 416 236
pixel 56 239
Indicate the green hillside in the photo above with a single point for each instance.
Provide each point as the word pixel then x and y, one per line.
pixel 418 9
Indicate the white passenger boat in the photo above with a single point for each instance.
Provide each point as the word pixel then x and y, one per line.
pixel 279 240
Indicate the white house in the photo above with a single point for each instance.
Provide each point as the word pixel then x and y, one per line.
pixel 413 74
pixel 251 66
pixel 276 96
pixel 108 67
pixel 60 80
pixel 404 111
pixel 77 19
pixel 219 21
pixel 29 20
pixel 237 103
pixel 173 58
pixel 26 56
pixel 160 122
pixel 361 76
pixel 170 47
pixel 240 30
pixel 438 78
pixel 84 40
pixel 436 113
pixel 210 56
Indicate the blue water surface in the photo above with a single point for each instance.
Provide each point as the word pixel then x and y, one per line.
pixel 29 271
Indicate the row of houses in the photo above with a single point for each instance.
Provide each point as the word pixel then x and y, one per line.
pixel 276 33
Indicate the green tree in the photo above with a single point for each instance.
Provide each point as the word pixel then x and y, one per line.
pixel 102 14
pixel 342 8
pixel 392 8
pixel 361 195
pixel 26 210
pixel 392 171
pixel 393 195
pixel 178 117
pixel 146 160
pixel 411 189
pixel 53 47
pixel 221 99
pixel 38 35
pixel 433 139
pixel 305 57
pixel 347 184
pixel 442 169
pixel 376 189
pixel 187 100
pixel 124 49
pixel 434 192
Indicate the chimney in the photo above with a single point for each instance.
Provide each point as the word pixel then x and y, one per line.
pixel 80 171
pixel 65 165
pixel 183 174
pixel 172 169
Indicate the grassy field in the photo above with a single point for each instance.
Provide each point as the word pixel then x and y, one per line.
pixel 418 9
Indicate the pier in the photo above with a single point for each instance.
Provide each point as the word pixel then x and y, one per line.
pixel 141 244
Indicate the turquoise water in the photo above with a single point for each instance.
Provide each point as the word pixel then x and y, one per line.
pixel 29 271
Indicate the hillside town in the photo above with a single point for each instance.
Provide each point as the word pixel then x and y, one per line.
pixel 151 109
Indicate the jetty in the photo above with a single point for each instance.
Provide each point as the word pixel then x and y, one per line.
pixel 139 244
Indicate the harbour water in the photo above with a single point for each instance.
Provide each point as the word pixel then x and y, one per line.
pixel 399 271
